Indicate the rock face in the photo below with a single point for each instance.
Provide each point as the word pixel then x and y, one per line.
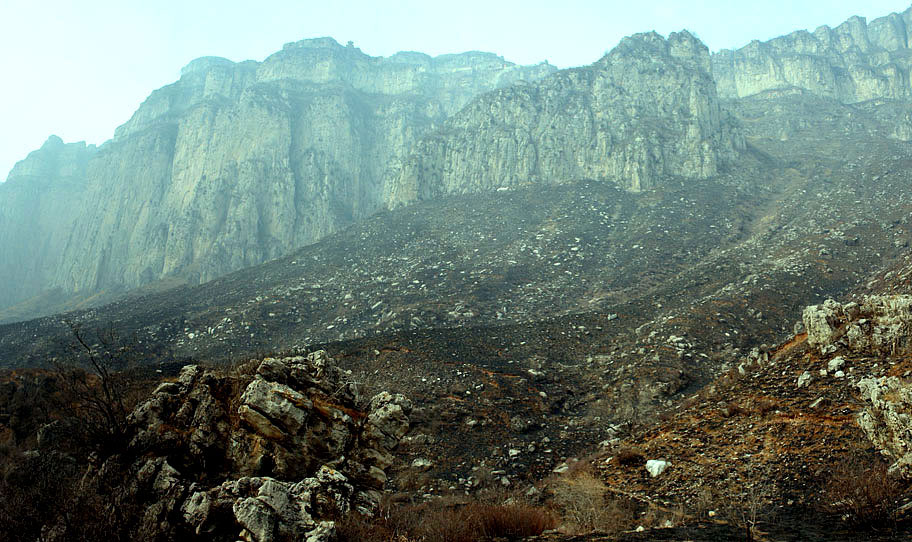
pixel 645 111
pixel 275 461
pixel 42 192
pixel 853 62
pixel 235 164
pixel 887 420
pixel 879 324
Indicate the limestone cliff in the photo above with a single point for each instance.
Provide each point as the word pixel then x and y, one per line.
pixel 236 163
pixel 853 62
pixel 41 193
pixel 647 109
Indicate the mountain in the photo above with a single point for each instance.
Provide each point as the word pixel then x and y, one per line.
pixel 853 62
pixel 645 111
pixel 232 165
pixel 718 332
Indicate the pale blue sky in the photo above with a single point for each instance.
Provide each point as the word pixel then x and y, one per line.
pixel 80 68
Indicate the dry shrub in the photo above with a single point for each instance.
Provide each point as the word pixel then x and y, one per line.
pixel 631 457
pixel 584 503
pixel 862 491
pixel 512 520
pixel 764 405
pixel 733 408
pixel 447 521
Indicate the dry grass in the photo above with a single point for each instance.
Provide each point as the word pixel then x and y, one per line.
pixel 630 457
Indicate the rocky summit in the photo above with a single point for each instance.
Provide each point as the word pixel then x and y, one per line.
pixel 853 62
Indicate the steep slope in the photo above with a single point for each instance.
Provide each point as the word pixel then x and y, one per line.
pixel 645 111
pixel 852 63
pixel 235 164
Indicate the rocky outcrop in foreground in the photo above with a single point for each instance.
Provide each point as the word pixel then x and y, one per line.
pixel 887 419
pixel 645 111
pixel 277 459
pixel 878 326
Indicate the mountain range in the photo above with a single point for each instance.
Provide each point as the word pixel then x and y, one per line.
pixel 564 271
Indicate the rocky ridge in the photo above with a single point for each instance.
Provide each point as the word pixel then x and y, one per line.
pixel 238 163
pixel 854 62
pixel 646 111
pixel 273 456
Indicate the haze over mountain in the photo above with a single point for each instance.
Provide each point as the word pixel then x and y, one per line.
pixel 690 268
pixel 230 166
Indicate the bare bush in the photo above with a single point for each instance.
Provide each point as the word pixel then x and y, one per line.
pixel 586 506
pixel 444 520
pixel 861 490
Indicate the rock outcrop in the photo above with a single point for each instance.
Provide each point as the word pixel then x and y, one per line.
pixel 645 111
pixel 275 459
pixel 878 324
pixel 887 419
pixel 235 164
pixel 853 62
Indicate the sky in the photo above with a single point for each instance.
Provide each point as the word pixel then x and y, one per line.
pixel 78 69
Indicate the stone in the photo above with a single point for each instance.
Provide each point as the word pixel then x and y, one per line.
pixel 804 380
pixel 296 464
pixel 656 467
pixel 836 364
pixel 280 405
pixel 886 421
pixel 878 324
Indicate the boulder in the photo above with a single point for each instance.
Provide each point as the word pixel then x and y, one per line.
pixel 280 461
pixel 655 467
pixel 880 324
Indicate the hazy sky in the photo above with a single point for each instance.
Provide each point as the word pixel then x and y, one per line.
pixel 79 69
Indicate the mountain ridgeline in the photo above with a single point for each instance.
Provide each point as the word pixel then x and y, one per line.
pixel 646 110
pixel 232 165
pixel 239 163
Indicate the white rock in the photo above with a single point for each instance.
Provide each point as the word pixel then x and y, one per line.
pixel 804 379
pixel 836 364
pixel 656 467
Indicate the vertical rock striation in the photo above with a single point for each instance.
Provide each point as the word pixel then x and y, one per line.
pixel 853 62
pixel 646 110
pixel 42 194
pixel 232 165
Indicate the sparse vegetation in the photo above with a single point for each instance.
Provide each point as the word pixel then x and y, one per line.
pixel 862 492
pixel 585 504
pixel 447 520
